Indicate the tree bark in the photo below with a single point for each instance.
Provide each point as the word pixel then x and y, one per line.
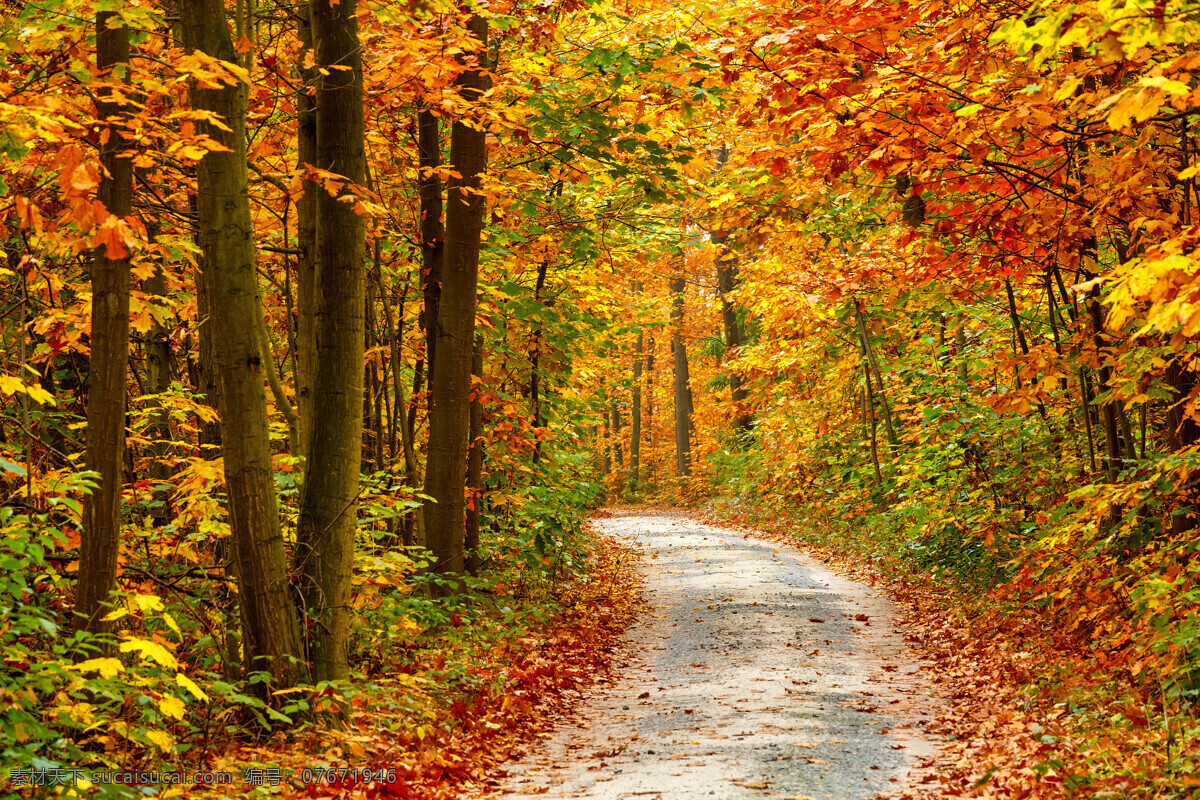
pixel 329 502
pixel 433 234
pixel 449 416
pixel 475 461
pixel 403 420
pixel 635 419
pixel 109 342
pixel 306 232
pixel 684 410
pixel 271 635
pixel 160 365
pixel 535 358
pixel 743 421
pixel 872 364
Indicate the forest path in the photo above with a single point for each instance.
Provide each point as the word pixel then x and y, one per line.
pixel 756 672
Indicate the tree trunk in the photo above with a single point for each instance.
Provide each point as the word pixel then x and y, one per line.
pixel 329 502
pixel 869 421
pixel 271 635
pixel 105 446
pixel 684 426
pixel 872 364
pixel 743 421
pixel 535 358
pixel 159 371
pixel 1182 432
pixel 306 232
pixel 617 425
pixel 1108 411
pixel 449 416
pixel 433 235
pixel 416 522
pixel 635 420
pixel 650 391
pixel 475 461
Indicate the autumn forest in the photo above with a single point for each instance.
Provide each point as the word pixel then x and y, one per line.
pixel 326 327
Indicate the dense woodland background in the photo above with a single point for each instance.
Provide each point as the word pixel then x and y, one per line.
pixel 325 324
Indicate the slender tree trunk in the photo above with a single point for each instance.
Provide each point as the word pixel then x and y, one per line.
pixel 869 422
pixel 329 502
pixel 433 235
pixel 271 635
pixel 684 426
pixel 618 443
pixel 1108 411
pixel 404 421
pixel 306 232
pixel 475 461
pixel 635 420
pixel 606 444
pixel 872 364
pixel 1182 432
pixel 105 445
pixel 449 417
pixel 650 391
pixel 960 345
pixel 743 421
pixel 159 372
pixel 535 357
pixel 726 268
pixel 1019 333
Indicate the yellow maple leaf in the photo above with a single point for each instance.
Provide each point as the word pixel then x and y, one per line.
pixel 171 706
pixel 190 685
pixel 160 738
pixel 151 650
pixel 107 667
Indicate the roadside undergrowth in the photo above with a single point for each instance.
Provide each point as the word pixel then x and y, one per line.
pixel 463 697
pixel 1031 711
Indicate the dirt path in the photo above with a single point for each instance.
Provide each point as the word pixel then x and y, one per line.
pixel 757 673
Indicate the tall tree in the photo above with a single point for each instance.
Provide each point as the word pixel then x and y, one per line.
pixel 684 407
pixel 727 274
pixel 109 337
pixel 449 415
pixel 329 502
pixel 306 229
pixel 635 419
pixel 433 233
pixel 475 461
pixel 270 628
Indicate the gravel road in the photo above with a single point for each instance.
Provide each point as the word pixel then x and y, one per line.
pixel 756 672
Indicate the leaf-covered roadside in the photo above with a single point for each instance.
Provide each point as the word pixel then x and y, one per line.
pixel 468 695
pixel 439 705
pixel 1031 710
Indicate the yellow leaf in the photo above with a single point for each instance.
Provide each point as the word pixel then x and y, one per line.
pixel 115 615
pixel 151 650
pixel 79 712
pixel 11 384
pixel 1167 85
pixel 40 395
pixel 190 685
pixel 160 738
pixel 107 667
pixel 171 706
pixel 147 602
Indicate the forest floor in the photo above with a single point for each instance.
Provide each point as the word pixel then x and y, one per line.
pixel 755 671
